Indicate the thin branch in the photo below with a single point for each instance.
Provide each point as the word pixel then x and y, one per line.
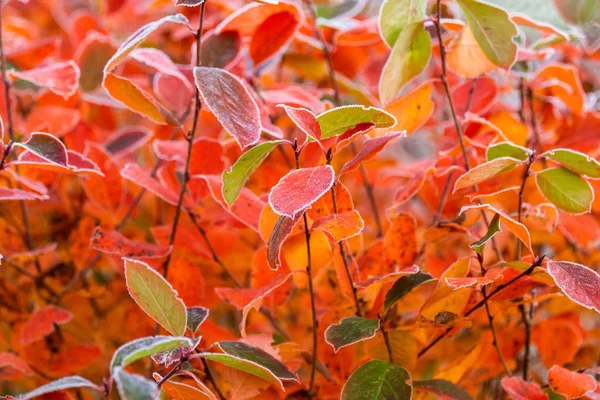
pixel 337 102
pixel 326 52
pixel 482 303
pixel 386 338
pixel 211 379
pixel 491 320
pixel 526 174
pixel 212 251
pixel 190 139
pixel 341 247
pixel 11 135
pixel 7 86
pixel 457 124
pixel 370 195
pixel 527 323
pixel 444 79
pixel 313 308
pixel 533 122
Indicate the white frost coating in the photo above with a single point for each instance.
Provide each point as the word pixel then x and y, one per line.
pixel 299 189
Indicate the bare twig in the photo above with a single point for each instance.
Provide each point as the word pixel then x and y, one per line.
pixel 211 379
pixel 326 52
pixel 190 138
pixel 386 338
pixel 341 247
pixel 313 308
pixel 491 320
pixel 457 124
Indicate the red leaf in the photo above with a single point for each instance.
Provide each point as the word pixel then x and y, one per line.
pixel 10 361
pixel 370 149
pixel 158 60
pixel 480 95
pixel 248 299
pixel 283 227
pixel 570 383
pixel 41 323
pixel 61 78
pixel 115 243
pixel 518 389
pixel 17 194
pixel 580 283
pixel 305 120
pixel 296 191
pixel 172 92
pixel 246 208
pixel 136 174
pixel 272 36
pixel 80 163
pixel 231 103
pixel 207 154
pixel 412 187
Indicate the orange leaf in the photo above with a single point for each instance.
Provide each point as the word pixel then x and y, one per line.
pixel 41 323
pixel 135 99
pixel 570 383
pixel 400 243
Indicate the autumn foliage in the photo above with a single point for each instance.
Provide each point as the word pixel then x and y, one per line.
pixel 333 199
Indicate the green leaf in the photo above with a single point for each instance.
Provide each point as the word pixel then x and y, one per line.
pixel 566 190
pixel 155 296
pixel 408 58
pixel 492 230
pixel 252 360
pixel 506 149
pixel 135 387
pixel 378 380
pixel 145 347
pixel 340 119
pixel 442 388
pixel 403 286
pixel 538 10
pixel 195 317
pixel 485 171
pixel 351 330
pixel 69 382
pixel 575 161
pixel 493 30
pixel 395 15
pixel 235 179
pixel 577 12
pixel 47 147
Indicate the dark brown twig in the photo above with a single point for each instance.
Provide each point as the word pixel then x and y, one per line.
pixel 190 138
